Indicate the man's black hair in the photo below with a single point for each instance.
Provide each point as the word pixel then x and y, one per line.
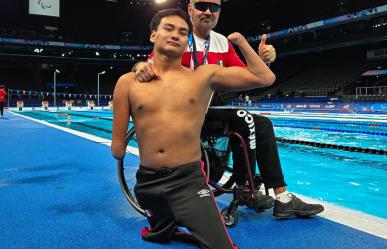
pixel 170 12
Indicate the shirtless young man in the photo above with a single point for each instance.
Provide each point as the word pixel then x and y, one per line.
pixel 168 114
pixel 209 47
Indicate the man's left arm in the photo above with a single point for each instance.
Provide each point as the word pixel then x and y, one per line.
pixel 121 115
pixel 238 78
pixel 254 63
pixel 266 52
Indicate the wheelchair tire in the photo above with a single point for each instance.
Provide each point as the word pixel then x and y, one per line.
pixel 128 166
pixel 217 165
pixel 230 220
pixel 127 180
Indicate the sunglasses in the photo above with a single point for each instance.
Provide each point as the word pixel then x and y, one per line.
pixel 204 6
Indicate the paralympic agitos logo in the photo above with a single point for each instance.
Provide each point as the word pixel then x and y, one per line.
pixel 43 4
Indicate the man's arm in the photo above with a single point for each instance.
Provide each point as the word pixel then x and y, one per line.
pixel 253 60
pixel 266 52
pixel 121 113
pixel 238 78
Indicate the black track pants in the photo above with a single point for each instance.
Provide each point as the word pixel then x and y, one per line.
pixel 180 197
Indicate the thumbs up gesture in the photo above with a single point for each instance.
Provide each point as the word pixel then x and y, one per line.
pixel 266 52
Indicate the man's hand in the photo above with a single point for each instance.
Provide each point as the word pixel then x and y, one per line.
pixel 144 72
pixel 237 38
pixel 266 52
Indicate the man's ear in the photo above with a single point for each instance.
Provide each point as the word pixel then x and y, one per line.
pixel 190 9
pixel 152 36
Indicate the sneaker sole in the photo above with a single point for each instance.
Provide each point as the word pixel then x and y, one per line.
pixel 297 213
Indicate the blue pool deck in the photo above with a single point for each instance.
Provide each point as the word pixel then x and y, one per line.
pixel 60 190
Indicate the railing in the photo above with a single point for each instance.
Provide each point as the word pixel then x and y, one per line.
pixel 34 98
pixel 371 91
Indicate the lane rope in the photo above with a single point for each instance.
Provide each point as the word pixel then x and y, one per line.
pixel 333 146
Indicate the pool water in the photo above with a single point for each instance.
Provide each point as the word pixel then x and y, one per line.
pixel 350 179
pixel 372 135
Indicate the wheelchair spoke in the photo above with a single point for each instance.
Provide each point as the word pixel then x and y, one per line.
pixel 218 151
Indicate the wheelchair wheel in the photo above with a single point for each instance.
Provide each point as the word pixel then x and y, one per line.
pixel 217 165
pixel 230 219
pixel 218 151
pixel 127 168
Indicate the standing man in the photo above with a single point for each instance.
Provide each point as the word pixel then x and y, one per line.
pixel 208 47
pixel 171 186
pixel 3 95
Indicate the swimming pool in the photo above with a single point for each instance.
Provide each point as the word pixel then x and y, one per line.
pixel 351 179
pixel 365 134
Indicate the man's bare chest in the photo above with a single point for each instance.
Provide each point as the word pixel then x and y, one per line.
pixel 167 96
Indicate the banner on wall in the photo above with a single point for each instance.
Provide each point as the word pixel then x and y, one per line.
pixel 326 107
pixel 44 7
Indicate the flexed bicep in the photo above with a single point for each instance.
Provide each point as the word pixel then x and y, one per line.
pixel 234 79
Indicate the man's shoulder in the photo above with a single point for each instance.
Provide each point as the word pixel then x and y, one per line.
pixel 218 36
pixel 126 80
pixel 219 42
pixel 211 66
pixel 206 69
pixel 127 77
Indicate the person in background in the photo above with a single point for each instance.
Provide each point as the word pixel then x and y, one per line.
pixel 3 95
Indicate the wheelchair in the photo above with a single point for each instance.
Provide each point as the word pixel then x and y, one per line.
pixel 216 155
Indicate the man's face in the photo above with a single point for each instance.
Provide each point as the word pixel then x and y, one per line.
pixel 204 14
pixel 171 36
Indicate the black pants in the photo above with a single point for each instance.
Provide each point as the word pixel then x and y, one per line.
pixel 1 107
pixel 180 197
pixel 265 151
pixel 239 121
